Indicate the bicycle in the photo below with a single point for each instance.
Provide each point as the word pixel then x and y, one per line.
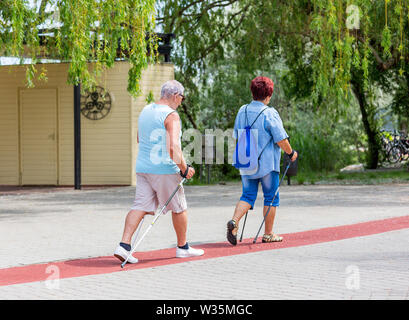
pixel 399 149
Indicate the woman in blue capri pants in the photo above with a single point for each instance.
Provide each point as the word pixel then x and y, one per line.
pixel 271 139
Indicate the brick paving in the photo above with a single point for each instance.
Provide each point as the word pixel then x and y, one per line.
pixel 47 227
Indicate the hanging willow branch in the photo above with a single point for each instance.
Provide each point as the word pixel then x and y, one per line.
pixel 340 48
pixel 80 32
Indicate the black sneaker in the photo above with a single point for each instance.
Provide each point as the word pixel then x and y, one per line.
pixel 231 225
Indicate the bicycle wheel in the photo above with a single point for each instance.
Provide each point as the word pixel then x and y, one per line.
pixel 395 154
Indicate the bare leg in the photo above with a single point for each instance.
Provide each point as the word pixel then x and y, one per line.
pixel 180 225
pixel 269 222
pixel 241 208
pixel 132 221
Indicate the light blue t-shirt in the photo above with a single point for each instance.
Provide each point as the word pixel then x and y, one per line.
pixel 153 156
pixel 269 129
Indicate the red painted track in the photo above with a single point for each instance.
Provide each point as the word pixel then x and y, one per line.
pixel 109 264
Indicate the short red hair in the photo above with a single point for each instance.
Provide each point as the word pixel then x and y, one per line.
pixel 261 88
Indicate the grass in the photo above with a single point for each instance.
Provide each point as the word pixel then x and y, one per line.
pixel 316 178
pixel 379 176
pixel 364 177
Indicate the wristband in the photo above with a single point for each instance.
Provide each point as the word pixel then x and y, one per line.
pixel 291 154
pixel 184 175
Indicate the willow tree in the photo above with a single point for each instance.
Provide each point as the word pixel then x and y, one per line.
pixel 362 45
pixel 334 49
pixel 79 32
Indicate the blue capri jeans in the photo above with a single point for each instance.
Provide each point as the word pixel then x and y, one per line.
pixel 269 183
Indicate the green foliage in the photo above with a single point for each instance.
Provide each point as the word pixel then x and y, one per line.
pixel 80 32
pixel 150 98
pixel 400 103
pixel 367 177
pixel 322 60
pixel 325 144
pixel 386 42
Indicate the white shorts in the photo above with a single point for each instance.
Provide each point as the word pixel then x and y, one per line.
pixel 153 190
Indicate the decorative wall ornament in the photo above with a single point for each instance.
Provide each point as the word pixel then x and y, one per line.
pixel 97 104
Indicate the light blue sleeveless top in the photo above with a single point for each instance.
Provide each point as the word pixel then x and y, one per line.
pixel 153 156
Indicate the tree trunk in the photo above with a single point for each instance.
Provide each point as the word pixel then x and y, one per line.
pixel 368 118
pixel 189 116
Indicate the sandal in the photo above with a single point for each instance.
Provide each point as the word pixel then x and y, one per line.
pixel 271 238
pixel 232 226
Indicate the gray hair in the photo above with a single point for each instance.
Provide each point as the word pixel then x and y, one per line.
pixel 171 87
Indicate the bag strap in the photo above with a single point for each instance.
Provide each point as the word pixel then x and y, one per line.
pixel 247 120
pixel 265 148
pixel 252 125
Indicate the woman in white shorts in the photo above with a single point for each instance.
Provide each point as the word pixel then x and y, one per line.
pixel 159 166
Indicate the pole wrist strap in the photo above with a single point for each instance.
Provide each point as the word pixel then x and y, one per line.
pixel 184 175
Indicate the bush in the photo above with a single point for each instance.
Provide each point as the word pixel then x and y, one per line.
pixel 323 145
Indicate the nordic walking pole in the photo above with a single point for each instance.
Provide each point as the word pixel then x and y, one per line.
pixel 244 224
pixel 268 211
pixel 153 222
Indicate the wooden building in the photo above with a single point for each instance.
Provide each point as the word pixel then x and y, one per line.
pixel 37 126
